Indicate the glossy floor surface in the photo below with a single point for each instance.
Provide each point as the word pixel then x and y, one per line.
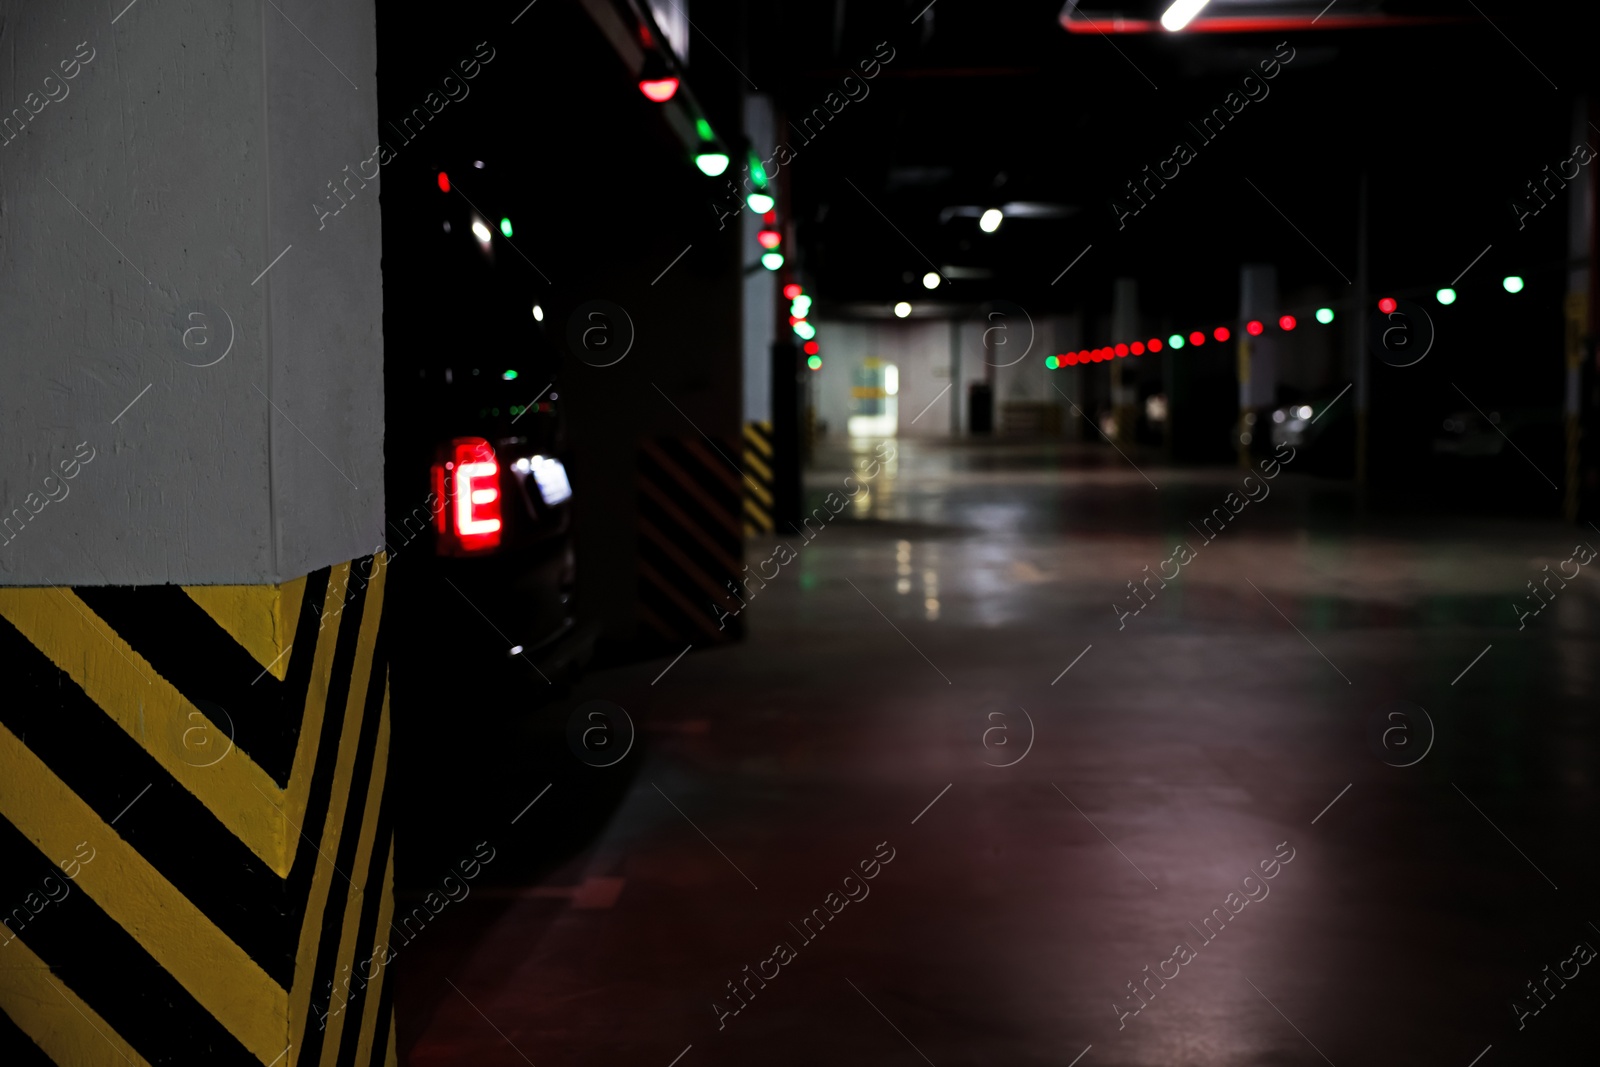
pixel 1075 797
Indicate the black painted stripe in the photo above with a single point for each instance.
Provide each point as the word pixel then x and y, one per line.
pixel 697 492
pixel 674 475
pixel 366 938
pixel 713 570
pixel 380 1037
pixel 203 661
pixel 16 1047
pixel 108 770
pixel 308 852
pixel 101 962
pixel 677 609
pixel 355 816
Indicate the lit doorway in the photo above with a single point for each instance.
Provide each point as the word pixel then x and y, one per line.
pixel 874 399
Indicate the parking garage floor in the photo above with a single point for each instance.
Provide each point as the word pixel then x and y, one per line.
pixel 1061 801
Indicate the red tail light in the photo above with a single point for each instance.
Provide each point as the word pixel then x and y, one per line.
pixel 469 476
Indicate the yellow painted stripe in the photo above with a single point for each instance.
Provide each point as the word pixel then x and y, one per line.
pixel 391 1060
pixel 323 873
pixel 65 1028
pixel 353 903
pixel 757 434
pixel 753 461
pixel 759 493
pixel 755 512
pixel 369 1011
pixel 176 934
pixel 262 618
pixel 124 685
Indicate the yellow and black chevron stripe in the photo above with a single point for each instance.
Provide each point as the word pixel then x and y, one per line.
pixel 690 549
pixel 230 881
pixel 758 481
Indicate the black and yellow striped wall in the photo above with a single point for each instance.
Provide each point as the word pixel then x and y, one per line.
pixel 195 844
pixel 690 545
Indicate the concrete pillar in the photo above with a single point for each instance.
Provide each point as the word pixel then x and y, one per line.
pixel 761 294
pixel 194 745
pixel 957 390
pixel 760 286
pixel 1357 331
pixel 1258 356
pixel 1124 329
pixel 1580 253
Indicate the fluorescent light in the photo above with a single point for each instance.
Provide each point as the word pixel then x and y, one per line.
pixel 1181 13
pixel 930 280
pixel 990 220
pixel 902 309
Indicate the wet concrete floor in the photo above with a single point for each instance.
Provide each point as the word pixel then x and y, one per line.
pixel 1320 800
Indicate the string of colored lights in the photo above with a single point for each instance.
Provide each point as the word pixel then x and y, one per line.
pixel 1387 305
pixel 1195 339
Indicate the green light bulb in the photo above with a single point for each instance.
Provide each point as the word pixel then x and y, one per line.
pixel 814 362
pixel 1445 296
pixel 1512 283
pixel 505 227
pixel 1175 341
pixel 772 260
pixel 1324 315
pixel 760 202
pixel 711 163
pixel 1051 362
pixel 703 128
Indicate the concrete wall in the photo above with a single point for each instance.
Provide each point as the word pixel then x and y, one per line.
pixel 137 213
pixel 922 349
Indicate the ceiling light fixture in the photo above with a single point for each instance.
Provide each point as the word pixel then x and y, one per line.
pixel 1181 13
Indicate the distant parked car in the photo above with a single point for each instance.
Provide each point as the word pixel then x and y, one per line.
pixel 1320 430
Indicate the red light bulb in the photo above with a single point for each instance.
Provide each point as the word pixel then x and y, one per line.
pixel 1254 327
pixel 1197 338
pixel 1287 322
pixel 791 290
pixel 1154 345
pixel 769 238
pixel 812 348
pixel 659 90
pixel 1137 348
pixel 444 182
pixel 1122 350
pixel 1387 304
pixel 1221 333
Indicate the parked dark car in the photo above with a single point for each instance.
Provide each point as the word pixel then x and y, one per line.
pixel 478 485
pixel 481 620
